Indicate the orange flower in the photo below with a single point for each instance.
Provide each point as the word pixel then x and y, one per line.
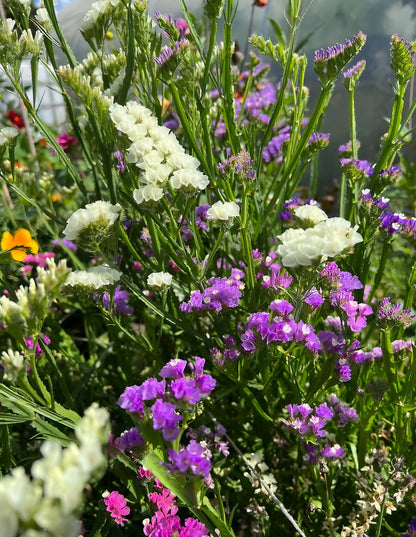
pixel 22 237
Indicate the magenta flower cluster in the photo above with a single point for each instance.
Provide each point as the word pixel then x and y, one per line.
pixel 180 392
pixel 117 506
pixel 166 521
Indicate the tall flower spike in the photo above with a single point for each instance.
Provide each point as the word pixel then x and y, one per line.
pixel 403 59
pixel 329 62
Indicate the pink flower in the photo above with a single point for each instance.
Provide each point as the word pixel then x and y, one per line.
pixel 65 141
pixel 117 506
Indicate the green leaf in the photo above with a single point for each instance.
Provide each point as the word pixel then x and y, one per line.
pixel 278 31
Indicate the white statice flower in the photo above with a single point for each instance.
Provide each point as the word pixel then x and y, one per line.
pixel 148 195
pixel 179 159
pixel 223 213
pixel 188 181
pixel 339 235
pixel 10 312
pixel 150 159
pixel 92 223
pixel 310 214
pixel 7 135
pixel 13 363
pixel 156 175
pixel 159 280
pixel 330 237
pixel 42 17
pixel 30 42
pixel 94 278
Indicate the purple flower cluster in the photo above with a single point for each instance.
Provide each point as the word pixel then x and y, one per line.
pixel 355 71
pixel 119 303
pixel 270 274
pixel 241 165
pixel 354 168
pixel 181 392
pixel 273 150
pixel 399 223
pixel 263 328
pixel 201 214
pixel 330 61
pixel 191 460
pixel 310 423
pixel 222 293
pixel 394 314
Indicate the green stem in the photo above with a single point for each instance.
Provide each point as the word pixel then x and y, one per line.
pixel 389 148
pixel 229 109
pixel 380 270
pixel 188 131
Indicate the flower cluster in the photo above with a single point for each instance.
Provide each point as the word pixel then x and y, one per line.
pixel 310 423
pixel 222 293
pixel 181 392
pixel 329 238
pixel 329 62
pixel 157 153
pixel 48 502
pixel 166 520
pixel 90 225
pixel 116 505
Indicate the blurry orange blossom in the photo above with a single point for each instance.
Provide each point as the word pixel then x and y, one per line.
pixel 22 238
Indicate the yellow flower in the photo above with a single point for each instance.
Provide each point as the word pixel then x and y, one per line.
pixel 22 237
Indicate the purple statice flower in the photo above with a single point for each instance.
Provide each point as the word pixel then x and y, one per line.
pixel 120 302
pixel 281 307
pixel 185 390
pixel 345 414
pixel 318 138
pixel 394 314
pixel 355 71
pixel 355 166
pixel 116 505
pixel 131 400
pixel 314 299
pixel 129 439
pixel 275 280
pixel 273 150
pixel 345 150
pixel 222 293
pixel 391 175
pixel 332 452
pixel 400 345
pixel 240 164
pixel 166 53
pixel 191 460
pixel 344 370
pixel 282 331
pixel 65 242
pixel 396 222
pixel 329 62
pixel 174 369
pixel 165 418
pixel 121 165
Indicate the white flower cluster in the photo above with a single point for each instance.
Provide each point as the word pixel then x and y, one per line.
pixel 7 135
pixel 157 153
pixel 12 363
pixel 159 280
pixel 310 215
pixel 93 279
pixel 46 503
pixel 328 238
pixel 34 301
pixel 223 214
pixel 93 223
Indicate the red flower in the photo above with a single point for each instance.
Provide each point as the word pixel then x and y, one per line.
pixel 16 119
